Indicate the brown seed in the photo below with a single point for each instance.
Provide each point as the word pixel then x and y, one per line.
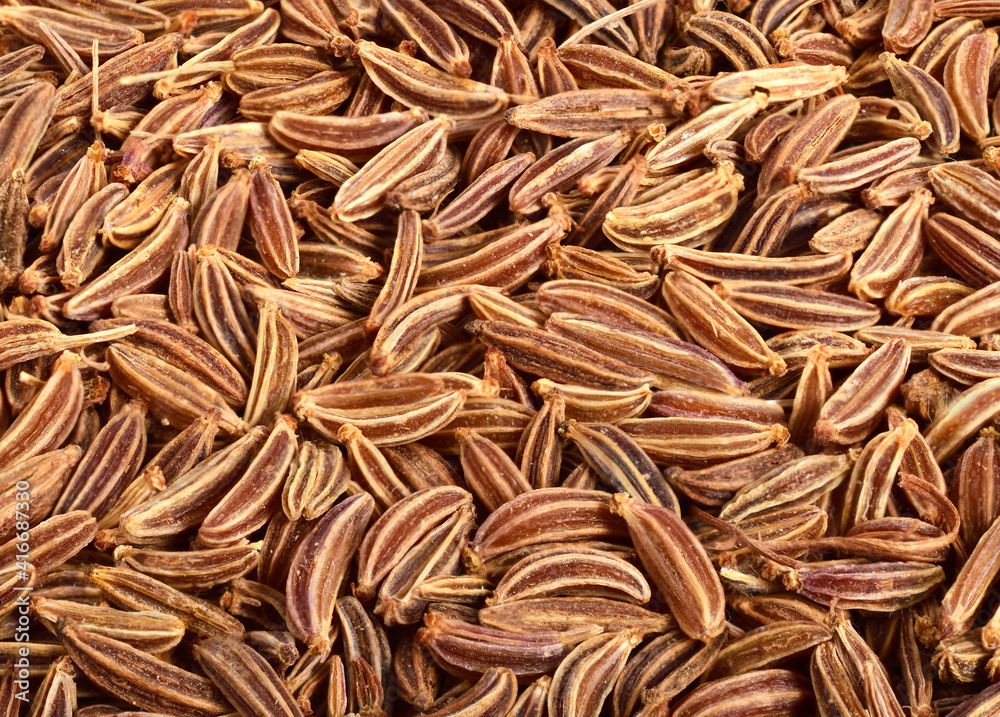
pixel 808 143
pixel 776 692
pixel 140 679
pixel 968 190
pixel 109 465
pixel 715 326
pixel 678 565
pixel 853 411
pixel 148 631
pixel 600 66
pixel 416 84
pixel 493 694
pixel 965 416
pixel 914 85
pixel 584 680
pixel 46 422
pixel 878 587
pixel 271 222
pixel 967 78
pixel 139 270
pixel 254 497
pixel 193 570
pixel 767 646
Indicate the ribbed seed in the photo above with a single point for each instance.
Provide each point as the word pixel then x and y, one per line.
pixel 967 79
pixel 400 528
pixel 364 194
pixel 180 506
pixel 317 477
pixel 715 326
pixel 47 421
pixel 140 679
pixel 692 212
pixel 109 465
pixel 126 224
pixel 136 591
pixel 591 113
pixel 876 587
pixel 661 670
pixel 914 85
pixel 194 570
pixel 137 271
pixel 439 553
pixel 569 615
pixel 774 692
pixel 149 631
pixel 274 371
pixel 854 410
pixel 493 694
pixel 969 191
pixel 318 567
pixel 561 168
pixel 254 497
pixel 173 395
pixel 416 84
pixel 585 678
pixel 808 143
pixel 219 221
pixel 678 565
pixel 80 252
pixel 245 678
pixel 271 222
pixel 766 646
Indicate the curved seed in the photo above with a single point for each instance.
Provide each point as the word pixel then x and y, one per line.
pixel 318 568
pixel 117 668
pixel 677 564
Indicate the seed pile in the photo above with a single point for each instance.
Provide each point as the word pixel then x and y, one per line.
pixel 455 357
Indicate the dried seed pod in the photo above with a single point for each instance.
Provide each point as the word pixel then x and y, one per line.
pixel 274 371
pixel 171 394
pixel 715 326
pixel 591 114
pixel 914 85
pixel 254 497
pixel 678 565
pixel 317 477
pixel 968 190
pixel 585 678
pixel 193 570
pixel 416 84
pixel 109 465
pixel 245 678
pixel 467 650
pixel 778 692
pixel 877 587
pixel 583 515
pixel 271 223
pixel 120 670
pixel 799 482
pixel 364 194
pixel 138 270
pixel 568 572
pixel 854 410
pixel 318 567
pixel 438 554
pixel 392 535
pixel 494 694
pixel 967 79
pixel 48 419
pixel 766 646
pixel 808 143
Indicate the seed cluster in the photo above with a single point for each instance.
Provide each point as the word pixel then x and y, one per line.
pixel 499 358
